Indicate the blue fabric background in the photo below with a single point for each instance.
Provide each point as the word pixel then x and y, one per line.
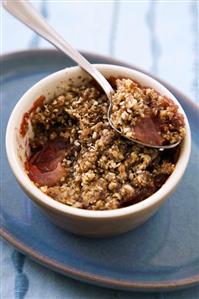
pixel 159 36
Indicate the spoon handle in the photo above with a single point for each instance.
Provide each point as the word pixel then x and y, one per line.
pixel 25 12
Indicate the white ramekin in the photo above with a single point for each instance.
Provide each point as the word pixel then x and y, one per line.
pixel 86 222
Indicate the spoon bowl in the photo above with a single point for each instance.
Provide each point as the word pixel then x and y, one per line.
pixel 161 148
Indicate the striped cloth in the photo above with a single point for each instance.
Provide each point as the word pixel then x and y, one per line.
pixel 159 36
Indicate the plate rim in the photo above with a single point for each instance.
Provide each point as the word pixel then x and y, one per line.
pixel 94 278
pixel 73 272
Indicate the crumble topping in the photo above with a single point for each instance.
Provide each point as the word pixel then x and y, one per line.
pixel 79 160
pixel 143 114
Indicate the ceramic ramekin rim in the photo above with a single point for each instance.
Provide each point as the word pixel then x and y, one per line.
pixel 49 203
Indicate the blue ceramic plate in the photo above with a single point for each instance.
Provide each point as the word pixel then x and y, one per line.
pixel 162 254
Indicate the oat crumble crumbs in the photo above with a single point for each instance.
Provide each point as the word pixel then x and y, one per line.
pixel 79 160
pixel 137 108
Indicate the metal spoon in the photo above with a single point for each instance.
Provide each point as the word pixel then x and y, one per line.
pixel 24 12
